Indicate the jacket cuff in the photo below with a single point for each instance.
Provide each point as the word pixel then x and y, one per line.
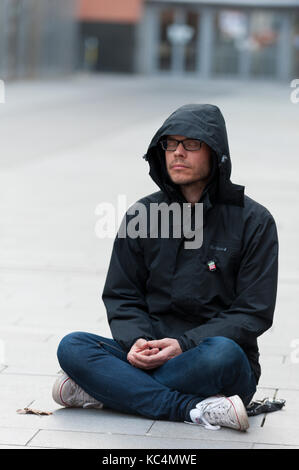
pixel 186 345
pixel 183 345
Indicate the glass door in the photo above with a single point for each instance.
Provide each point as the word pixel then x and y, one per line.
pixel 165 46
pixel 177 48
pixel 264 33
pixel 230 28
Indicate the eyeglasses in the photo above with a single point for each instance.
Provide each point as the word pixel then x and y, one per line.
pixel 171 144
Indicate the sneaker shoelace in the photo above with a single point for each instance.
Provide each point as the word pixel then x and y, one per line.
pixel 211 412
pixel 212 415
pixel 79 395
pixel 217 413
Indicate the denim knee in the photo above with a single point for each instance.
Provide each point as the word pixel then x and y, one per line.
pixel 226 353
pixel 66 346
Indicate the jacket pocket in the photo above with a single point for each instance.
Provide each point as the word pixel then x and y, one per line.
pixel 225 256
pixel 218 266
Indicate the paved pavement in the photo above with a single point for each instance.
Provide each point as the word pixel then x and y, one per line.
pixel 66 147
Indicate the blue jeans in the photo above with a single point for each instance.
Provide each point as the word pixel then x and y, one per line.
pixel 100 367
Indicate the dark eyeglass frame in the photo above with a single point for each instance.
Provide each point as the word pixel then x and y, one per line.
pixel 163 143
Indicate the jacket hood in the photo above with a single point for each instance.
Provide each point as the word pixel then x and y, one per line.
pixel 204 122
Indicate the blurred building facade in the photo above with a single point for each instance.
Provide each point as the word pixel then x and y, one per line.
pixel 237 38
pixel 108 34
pixel 37 38
pixel 208 38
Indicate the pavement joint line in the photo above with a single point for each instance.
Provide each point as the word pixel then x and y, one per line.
pixel 196 438
pixel 260 387
pixel 22 445
pixel 35 434
pixel 47 447
pixel 149 429
pixel 134 448
pixel 107 433
pixel 287 388
pixel 274 444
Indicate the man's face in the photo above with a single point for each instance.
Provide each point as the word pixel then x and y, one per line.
pixel 184 166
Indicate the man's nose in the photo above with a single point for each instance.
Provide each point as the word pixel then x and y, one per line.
pixel 180 150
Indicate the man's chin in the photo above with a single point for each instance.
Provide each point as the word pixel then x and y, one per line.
pixel 181 179
pixel 184 181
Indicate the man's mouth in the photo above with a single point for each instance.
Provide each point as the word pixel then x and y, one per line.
pixel 178 165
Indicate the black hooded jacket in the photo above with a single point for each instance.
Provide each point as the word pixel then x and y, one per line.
pixel 156 288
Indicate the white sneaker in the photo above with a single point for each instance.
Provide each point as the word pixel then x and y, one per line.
pixel 67 393
pixel 214 412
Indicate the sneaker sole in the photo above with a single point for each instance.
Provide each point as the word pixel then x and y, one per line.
pixel 240 412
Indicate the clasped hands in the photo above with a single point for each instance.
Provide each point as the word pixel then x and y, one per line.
pixel 151 354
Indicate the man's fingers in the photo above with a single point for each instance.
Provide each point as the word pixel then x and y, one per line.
pixel 136 362
pixel 148 352
pixel 157 343
pixel 140 344
pixel 146 361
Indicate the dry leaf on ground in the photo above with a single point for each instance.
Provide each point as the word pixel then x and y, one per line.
pixel 31 411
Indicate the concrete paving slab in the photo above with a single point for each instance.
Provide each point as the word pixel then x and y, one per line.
pixel 89 420
pixel 271 360
pixel 85 420
pixel 22 447
pixel 283 376
pixel 17 447
pixel 10 333
pixel 21 357
pixel 277 344
pixel 54 291
pixel 273 446
pixel 11 318
pixel 78 440
pixel 16 436
pixel 291 397
pixel 261 393
pixel 36 393
pixel 289 414
pixel 267 435
pixel 19 391
pixel 284 418
pixel 264 392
